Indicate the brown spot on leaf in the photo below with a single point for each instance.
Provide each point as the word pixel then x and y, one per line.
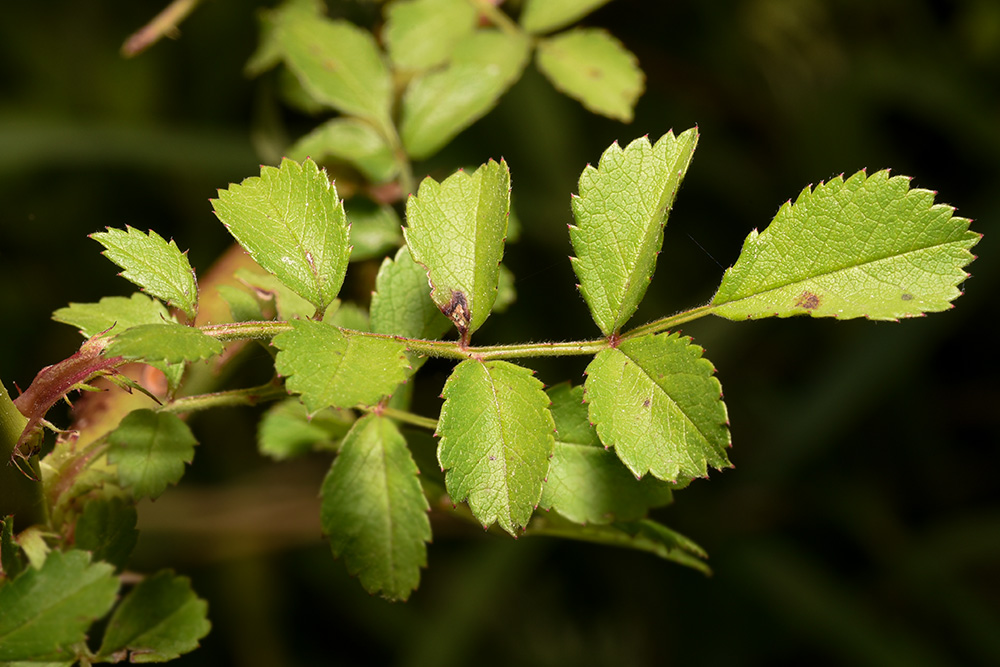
pixel 458 311
pixel 808 300
pixel 907 297
pixel 645 403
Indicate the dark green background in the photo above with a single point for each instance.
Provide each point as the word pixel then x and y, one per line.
pixel 860 525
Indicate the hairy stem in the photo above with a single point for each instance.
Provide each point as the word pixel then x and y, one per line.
pixel 229 398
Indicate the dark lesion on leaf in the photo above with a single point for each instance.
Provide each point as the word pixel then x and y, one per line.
pixel 458 311
pixel 808 300
pixel 907 296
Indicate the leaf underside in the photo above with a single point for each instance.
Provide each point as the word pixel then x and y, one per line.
pixel 374 510
pixel 865 247
pixel 620 214
pixel 496 439
pixel 656 400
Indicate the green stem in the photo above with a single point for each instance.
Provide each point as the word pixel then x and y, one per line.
pixel 405 417
pixel 246 330
pixel 229 398
pixel 671 322
pixel 21 495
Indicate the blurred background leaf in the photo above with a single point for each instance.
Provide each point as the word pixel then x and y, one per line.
pixel 861 524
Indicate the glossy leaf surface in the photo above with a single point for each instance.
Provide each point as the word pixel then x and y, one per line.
pixel 496 439
pixel 374 510
pixel 865 247
pixel 656 401
pixel 620 214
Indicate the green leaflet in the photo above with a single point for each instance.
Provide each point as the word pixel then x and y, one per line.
pixel 334 368
pixel 593 67
pixel 119 312
pixel 106 529
pixel 456 229
pixel 158 267
pixel 150 450
pixel 421 34
pixel 374 510
pixel 656 401
pixel 291 222
pixel 351 140
pixel 546 15
pixel 375 229
pixel 287 431
pixel 620 214
pixel 401 304
pixel 159 620
pixel 336 62
pixel 440 104
pixel 168 342
pixel 865 247
pixel 496 439
pixel 287 303
pixel 45 611
pixel 587 483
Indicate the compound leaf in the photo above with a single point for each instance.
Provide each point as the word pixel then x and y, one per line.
pixel 620 214
pixel 421 34
pixel 159 620
pixel 336 62
pixel 545 15
pixel 45 611
pixel 155 265
pixel 865 247
pixel 496 439
pixel 374 510
pixel 291 222
pixel 456 229
pixel 120 312
pixel 351 140
pixel 167 342
pixel 656 401
pixel 106 529
pixel 593 67
pixel 150 450
pixel 334 368
pixel 586 482
pixel 439 105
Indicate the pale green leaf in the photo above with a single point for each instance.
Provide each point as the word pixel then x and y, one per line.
pixel 159 620
pixel 593 67
pixel 287 304
pixel 106 529
pixel 332 368
pixel 119 312
pixel 243 306
pixel 421 34
pixel 586 482
pixel 440 104
pixel 401 304
pixel 374 510
pixel 496 439
pixel 168 342
pixel 865 247
pixel 375 229
pixel 45 611
pixel 150 450
pixel 351 140
pixel 287 430
pixel 656 400
pixel 155 265
pixel 620 214
pixel 546 15
pixel 456 229
pixel 336 62
pixel 506 291
pixel 645 535
pixel 348 316
pixel 291 222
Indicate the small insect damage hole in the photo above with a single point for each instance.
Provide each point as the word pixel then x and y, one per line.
pixel 808 300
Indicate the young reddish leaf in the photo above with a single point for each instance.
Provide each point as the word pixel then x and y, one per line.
pixel 496 439
pixel 456 230
pixel 291 222
pixel 865 247
pixel 593 67
pixel 155 265
pixel 620 214
pixel 657 402
pixel 374 510
pixel 333 368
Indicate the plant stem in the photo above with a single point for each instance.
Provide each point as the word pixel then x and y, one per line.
pixel 406 417
pixel 229 398
pixel 671 322
pixel 246 330
pixel 163 24
pixel 496 17
pixel 20 495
